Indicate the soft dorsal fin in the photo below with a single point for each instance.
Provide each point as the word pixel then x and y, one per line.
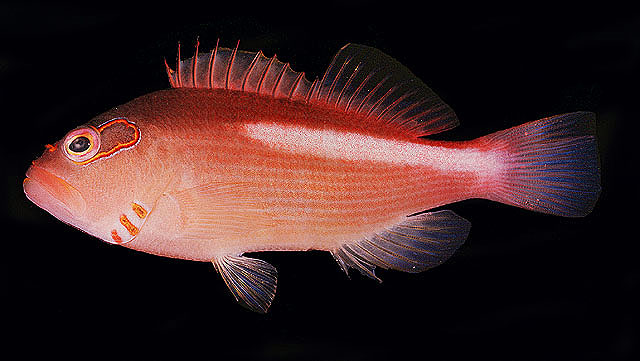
pixel 360 80
pixel 367 81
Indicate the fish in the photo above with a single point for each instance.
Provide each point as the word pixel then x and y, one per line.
pixel 242 154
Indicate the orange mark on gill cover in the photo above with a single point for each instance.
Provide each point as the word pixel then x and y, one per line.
pixel 51 148
pixel 133 230
pixel 115 236
pixel 139 210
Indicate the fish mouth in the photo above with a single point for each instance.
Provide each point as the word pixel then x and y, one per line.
pixel 53 194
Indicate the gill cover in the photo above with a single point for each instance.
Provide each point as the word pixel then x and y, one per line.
pixel 88 143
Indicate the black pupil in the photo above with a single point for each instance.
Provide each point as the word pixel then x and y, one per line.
pixel 79 144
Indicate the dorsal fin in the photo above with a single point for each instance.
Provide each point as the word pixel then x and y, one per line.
pixel 234 69
pixel 360 80
pixel 367 81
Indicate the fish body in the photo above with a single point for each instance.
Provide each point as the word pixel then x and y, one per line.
pixel 287 195
pixel 244 155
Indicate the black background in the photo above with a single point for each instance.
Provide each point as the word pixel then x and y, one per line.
pixel 525 286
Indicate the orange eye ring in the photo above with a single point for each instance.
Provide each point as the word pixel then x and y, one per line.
pixel 81 144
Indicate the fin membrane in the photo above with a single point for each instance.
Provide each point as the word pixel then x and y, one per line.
pixel 251 281
pixel 366 81
pixel 217 208
pixel 415 245
pixel 235 69
pixel 360 80
pixel 551 165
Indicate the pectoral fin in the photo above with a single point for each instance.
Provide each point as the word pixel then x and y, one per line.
pixel 417 244
pixel 224 210
pixel 251 281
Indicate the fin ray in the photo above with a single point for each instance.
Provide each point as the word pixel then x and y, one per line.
pixel 551 165
pixel 239 70
pixel 360 80
pixel 421 242
pixel 216 209
pixel 384 89
pixel 252 281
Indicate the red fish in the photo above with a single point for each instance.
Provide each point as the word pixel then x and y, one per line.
pixel 243 154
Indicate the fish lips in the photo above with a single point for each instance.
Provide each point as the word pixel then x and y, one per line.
pixel 53 194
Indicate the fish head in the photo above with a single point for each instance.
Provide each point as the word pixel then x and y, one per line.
pixel 85 178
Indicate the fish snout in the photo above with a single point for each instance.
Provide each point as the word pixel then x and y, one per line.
pixel 53 194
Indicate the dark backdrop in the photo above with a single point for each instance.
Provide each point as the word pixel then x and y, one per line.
pixel 525 286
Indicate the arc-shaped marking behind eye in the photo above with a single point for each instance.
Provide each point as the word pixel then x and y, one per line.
pixel 130 143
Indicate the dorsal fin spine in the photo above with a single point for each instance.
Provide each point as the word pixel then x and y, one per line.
pixel 295 85
pixel 231 61
pixel 250 69
pixel 264 74
pixel 311 90
pixel 170 72
pixel 209 66
pixel 179 70
pixel 194 68
pixel 275 87
pixel 212 63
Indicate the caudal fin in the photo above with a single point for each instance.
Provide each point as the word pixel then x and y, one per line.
pixel 550 165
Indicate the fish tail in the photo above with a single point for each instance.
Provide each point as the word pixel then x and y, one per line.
pixel 549 165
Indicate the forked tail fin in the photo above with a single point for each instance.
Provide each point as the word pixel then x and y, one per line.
pixel 550 165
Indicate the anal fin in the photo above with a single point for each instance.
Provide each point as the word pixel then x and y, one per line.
pixel 415 245
pixel 251 281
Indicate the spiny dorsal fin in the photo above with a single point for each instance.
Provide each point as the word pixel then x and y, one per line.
pixel 360 80
pixel 234 69
pixel 415 245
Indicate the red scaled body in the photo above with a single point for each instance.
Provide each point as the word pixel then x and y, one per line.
pixel 248 195
pixel 245 155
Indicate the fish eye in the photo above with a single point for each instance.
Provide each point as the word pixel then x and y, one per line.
pixel 81 144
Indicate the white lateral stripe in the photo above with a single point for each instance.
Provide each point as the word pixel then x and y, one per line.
pixel 351 146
